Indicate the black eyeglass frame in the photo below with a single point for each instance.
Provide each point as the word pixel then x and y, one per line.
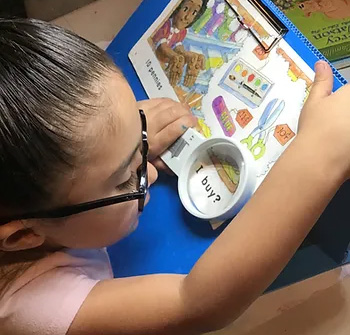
pixel 66 211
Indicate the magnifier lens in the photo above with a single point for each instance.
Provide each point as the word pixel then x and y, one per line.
pixel 213 179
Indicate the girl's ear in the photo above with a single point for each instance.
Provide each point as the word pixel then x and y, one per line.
pixel 15 236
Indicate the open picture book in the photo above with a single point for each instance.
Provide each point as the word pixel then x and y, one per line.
pixel 216 56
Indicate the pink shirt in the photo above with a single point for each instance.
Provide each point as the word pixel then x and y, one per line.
pixel 46 298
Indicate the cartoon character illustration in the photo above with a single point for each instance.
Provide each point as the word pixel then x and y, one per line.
pixel 333 9
pixel 267 120
pixel 168 43
pixel 309 7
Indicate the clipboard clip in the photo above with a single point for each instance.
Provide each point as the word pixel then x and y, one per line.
pixel 268 16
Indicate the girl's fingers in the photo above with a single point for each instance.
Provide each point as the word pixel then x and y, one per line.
pixel 150 105
pixel 164 114
pixel 161 166
pixel 170 134
pixel 323 83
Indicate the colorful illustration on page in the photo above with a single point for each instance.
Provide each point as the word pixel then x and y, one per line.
pixel 198 38
pixel 199 53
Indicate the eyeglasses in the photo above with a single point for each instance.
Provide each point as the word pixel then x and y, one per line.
pixel 65 211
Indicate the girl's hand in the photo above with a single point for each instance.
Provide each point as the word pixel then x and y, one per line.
pixel 250 253
pixel 324 122
pixel 167 120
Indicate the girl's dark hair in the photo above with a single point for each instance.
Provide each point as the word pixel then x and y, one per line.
pixel 48 81
pixel 199 14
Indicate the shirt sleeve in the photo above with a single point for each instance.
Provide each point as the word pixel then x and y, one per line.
pixel 162 34
pixel 48 304
pixel 180 37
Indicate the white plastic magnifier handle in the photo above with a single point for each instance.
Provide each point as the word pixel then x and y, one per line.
pixel 179 152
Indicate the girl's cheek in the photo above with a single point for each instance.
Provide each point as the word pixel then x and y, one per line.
pixel 152 174
pixel 130 212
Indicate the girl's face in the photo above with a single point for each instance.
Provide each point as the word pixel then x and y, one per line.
pixel 113 156
pixel 187 13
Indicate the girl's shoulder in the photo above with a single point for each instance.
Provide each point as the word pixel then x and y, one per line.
pixel 47 296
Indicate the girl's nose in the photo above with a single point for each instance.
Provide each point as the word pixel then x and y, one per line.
pixel 152 174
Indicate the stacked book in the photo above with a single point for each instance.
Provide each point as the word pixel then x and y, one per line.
pixel 326 23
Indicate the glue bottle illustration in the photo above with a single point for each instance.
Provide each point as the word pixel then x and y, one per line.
pixel 223 116
pixel 200 24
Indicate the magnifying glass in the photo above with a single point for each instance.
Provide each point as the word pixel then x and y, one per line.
pixel 216 176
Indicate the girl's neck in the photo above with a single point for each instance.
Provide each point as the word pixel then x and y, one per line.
pixel 14 264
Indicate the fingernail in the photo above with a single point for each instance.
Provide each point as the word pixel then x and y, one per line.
pixel 320 66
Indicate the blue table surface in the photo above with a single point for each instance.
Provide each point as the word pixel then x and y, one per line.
pixel 168 239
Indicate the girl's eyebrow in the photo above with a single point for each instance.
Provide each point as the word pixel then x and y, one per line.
pixel 127 161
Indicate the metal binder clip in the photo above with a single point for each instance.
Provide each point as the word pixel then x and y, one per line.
pixel 269 16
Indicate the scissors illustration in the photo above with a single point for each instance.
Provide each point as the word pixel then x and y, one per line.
pixel 267 119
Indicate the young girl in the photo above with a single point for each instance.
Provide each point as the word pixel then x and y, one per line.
pixel 73 176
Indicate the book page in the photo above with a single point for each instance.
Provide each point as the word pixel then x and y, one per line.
pixel 198 53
